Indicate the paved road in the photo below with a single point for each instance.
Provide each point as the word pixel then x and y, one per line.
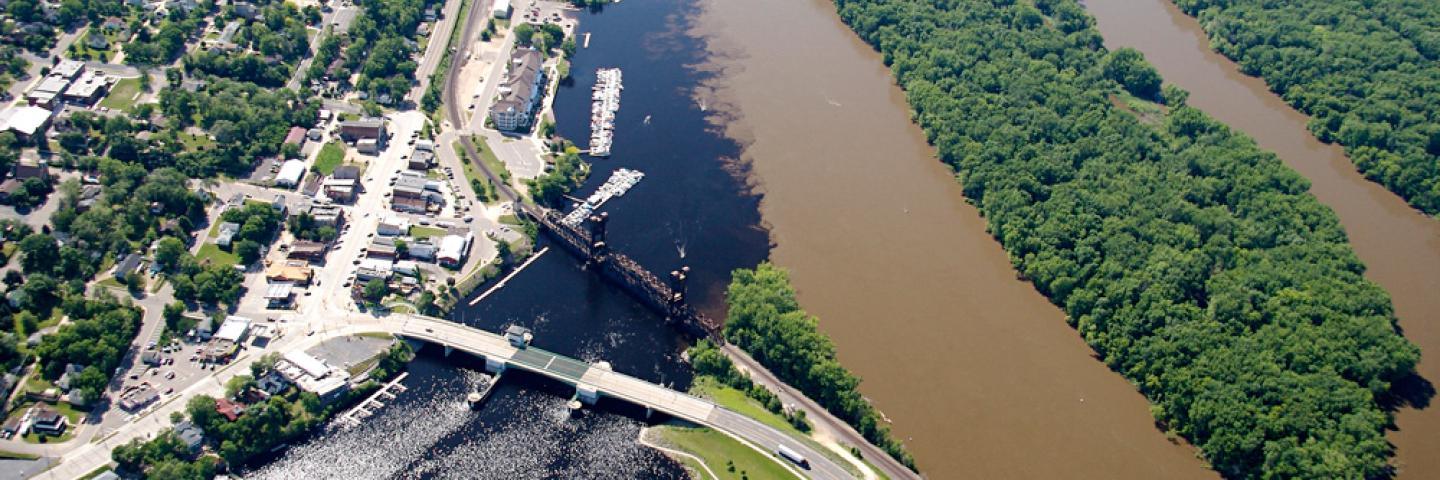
pixel 439 43
pixel 821 418
pixel 610 383
pixel 62 43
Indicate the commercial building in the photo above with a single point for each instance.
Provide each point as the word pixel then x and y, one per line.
pixel 292 271
pixel 327 215
pixel 454 249
pixel 307 250
pixel 280 295
pixel 290 173
pixel 233 330
pixel 501 9
pixel 26 121
pixel 393 226
pixel 409 205
pixel 88 89
pixel 340 189
pixel 365 128
pixel 520 93
pixel 371 268
pixel 137 397
pixel 313 375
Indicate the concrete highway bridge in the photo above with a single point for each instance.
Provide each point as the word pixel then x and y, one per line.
pixel 590 380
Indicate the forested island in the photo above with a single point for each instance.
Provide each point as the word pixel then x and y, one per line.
pixel 1365 72
pixel 1194 263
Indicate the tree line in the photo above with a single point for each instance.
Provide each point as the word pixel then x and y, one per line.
pixel 1194 263
pixel 1366 72
pixel 766 321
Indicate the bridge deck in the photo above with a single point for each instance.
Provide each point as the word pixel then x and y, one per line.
pixel 609 383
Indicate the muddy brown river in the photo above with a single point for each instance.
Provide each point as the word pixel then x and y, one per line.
pixel 979 373
pixel 1400 246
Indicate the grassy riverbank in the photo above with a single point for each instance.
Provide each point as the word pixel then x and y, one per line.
pixel 724 458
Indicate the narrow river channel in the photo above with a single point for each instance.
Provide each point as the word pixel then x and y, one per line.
pixel 693 208
pixel 979 373
pixel 1400 246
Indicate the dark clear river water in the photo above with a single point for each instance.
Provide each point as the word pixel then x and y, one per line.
pixel 693 208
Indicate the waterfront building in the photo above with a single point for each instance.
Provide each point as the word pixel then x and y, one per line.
pixel 521 92
pixel 453 250
pixel 313 375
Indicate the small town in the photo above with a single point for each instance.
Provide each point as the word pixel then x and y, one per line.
pixel 847 239
pixel 226 218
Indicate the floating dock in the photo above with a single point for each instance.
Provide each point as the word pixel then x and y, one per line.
pixel 605 100
pixel 368 407
pixel 619 182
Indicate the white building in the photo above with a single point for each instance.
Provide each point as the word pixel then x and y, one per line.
pixel 313 375
pixel 290 173
pixel 233 330
pixel 453 250
pixel 501 9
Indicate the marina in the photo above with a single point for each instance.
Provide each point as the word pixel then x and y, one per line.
pixel 619 182
pixel 605 100
pixel 368 407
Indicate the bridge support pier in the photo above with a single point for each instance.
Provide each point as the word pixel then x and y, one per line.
pixel 494 366
pixel 587 394
pixel 448 349
pixel 648 412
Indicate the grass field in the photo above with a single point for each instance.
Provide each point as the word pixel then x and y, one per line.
pixel 706 387
pixel 122 95
pixel 725 456
pixel 487 156
pixel 426 232
pixel 738 401
pixel 196 143
pixel 16 456
pixel 332 155
pixel 212 253
pixel 71 414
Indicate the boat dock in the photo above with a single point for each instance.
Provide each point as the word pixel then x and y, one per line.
pixel 372 403
pixel 619 182
pixel 605 100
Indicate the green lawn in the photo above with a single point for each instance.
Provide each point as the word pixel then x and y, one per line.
pixel 510 219
pixel 738 401
pixel 70 413
pixel 332 155
pixel 426 232
pixel 487 156
pixel 196 143
pixel 708 388
pixel 725 456
pixel 122 95
pixel 17 456
pixel 212 253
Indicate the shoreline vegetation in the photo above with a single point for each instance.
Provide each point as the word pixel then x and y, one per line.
pixel 766 321
pixel 1364 72
pixel 1192 262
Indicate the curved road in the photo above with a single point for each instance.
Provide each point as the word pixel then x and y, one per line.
pixel 615 385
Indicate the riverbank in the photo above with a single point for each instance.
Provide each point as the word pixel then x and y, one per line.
pixel 718 456
pixel 925 307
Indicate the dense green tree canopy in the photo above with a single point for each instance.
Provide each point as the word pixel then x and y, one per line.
pixel 1194 263
pixel 1366 71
